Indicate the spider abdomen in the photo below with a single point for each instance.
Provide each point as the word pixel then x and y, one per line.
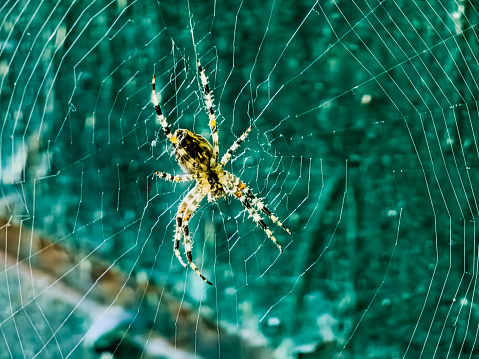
pixel 192 151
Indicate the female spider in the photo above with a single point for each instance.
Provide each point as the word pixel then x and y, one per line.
pixel 199 160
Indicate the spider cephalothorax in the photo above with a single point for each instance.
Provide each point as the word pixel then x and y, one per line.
pixel 199 160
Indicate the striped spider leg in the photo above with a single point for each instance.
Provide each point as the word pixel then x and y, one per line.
pixel 253 205
pixel 159 115
pixel 181 210
pixel 226 157
pixel 208 97
pixel 192 204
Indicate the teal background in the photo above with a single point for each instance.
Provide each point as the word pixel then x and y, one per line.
pixel 364 142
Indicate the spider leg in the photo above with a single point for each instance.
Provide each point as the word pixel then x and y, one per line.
pixel 234 146
pixel 238 187
pixel 179 222
pixel 209 109
pixel 260 205
pixel 171 178
pixel 236 190
pixel 159 115
pixel 192 206
pixel 257 218
pixel 176 245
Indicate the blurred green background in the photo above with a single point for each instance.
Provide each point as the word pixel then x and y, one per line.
pixel 364 118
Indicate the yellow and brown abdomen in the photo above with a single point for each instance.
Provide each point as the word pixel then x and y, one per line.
pixel 192 151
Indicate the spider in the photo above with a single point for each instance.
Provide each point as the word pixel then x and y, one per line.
pixel 199 160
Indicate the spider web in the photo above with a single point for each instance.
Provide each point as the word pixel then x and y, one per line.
pixel 364 117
